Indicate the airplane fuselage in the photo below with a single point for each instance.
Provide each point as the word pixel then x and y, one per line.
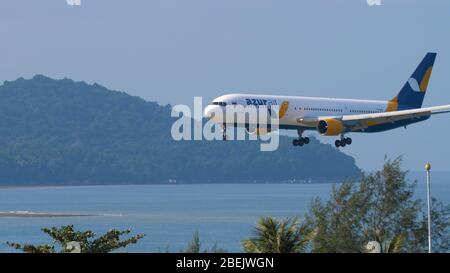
pixel 301 109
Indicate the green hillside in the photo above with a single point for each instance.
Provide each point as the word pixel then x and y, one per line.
pixel 66 132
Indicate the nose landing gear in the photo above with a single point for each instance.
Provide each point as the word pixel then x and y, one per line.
pixel 300 141
pixel 224 132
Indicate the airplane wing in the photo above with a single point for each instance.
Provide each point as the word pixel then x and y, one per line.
pixel 393 116
pixel 362 121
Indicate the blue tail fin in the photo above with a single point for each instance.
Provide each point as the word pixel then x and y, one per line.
pixel 413 92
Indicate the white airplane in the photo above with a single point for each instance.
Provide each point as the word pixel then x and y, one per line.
pixel 333 117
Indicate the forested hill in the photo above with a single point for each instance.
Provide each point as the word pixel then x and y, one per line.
pixel 66 132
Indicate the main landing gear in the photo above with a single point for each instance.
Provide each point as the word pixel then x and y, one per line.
pixel 300 141
pixel 343 141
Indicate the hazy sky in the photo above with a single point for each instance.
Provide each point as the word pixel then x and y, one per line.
pixel 171 50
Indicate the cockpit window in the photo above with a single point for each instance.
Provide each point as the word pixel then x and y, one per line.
pixel 219 103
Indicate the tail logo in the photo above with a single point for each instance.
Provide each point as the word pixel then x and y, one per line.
pixel 414 84
pixel 423 84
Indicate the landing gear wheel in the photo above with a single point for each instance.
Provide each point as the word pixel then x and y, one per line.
pixel 306 140
pixel 337 143
pixel 343 143
pixel 348 141
pixel 299 142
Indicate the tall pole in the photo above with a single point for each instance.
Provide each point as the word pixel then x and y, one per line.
pixel 428 168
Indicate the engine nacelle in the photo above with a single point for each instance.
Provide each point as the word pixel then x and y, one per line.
pixel 330 127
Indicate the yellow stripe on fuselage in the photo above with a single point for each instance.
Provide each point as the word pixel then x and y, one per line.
pixel 283 109
pixel 392 105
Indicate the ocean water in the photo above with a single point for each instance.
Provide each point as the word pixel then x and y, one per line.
pixel 168 214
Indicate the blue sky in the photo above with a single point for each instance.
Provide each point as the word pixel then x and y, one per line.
pixel 171 50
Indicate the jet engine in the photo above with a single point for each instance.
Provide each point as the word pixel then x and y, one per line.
pixel 330 127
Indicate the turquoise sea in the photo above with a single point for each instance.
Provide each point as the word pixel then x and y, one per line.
pixel 167 214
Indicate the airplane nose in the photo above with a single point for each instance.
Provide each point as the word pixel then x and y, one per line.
pixel 213 112
pixel 208 111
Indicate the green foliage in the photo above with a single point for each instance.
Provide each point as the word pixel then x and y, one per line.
pixel 105 243
pixel 66 132
pixel 380 208
pixel 33 249
pixel 194 246
pixel 216 249
pixel 278 236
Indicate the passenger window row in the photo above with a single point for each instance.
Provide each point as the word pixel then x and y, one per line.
pixel 321 109
pixel 363 111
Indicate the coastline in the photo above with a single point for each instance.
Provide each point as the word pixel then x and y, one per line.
pixel 412 175
pixel 209 182
pixel 30 214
